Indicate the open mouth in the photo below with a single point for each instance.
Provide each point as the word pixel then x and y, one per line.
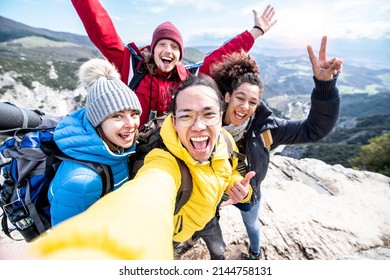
pixel 166 60
pixel 126 136
pixel 200 144
pixel 239 115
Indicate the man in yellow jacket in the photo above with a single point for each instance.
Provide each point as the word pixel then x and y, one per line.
pixel 137 220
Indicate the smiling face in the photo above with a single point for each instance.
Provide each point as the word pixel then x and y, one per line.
pixel 242 103
pixel 121 128
pixel 166 55
pixel 197 120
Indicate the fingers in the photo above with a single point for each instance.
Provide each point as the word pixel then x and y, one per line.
pixel 312 56
pixel 268 15
pixel 336 66
pixel 266 10
pixel 322 54
pixel 237 192
pixel 247 178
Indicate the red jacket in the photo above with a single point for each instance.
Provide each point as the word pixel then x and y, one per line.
pixel 153 90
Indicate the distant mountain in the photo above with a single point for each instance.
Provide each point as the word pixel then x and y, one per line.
pixel 51 44
pixel 369 53
pixel 38 70
pixel 11 30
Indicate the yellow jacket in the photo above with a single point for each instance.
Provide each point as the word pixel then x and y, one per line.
pixel 136 221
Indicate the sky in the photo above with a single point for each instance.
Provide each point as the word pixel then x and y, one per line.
pixel 300 22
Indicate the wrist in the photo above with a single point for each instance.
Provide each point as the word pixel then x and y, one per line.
pixel 259 28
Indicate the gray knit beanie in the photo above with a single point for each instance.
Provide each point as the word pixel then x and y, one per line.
pixel 106 93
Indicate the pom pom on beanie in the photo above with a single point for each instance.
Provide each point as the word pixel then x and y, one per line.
pixel 106 93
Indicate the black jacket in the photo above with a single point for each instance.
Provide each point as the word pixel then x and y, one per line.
pixel 324 112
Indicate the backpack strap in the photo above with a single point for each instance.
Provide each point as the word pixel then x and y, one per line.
pixel 105 173
pixel 266 137
pixel 5 228
pixel 185 190
pixel 139 72
pixel 232 152
pixel 103 170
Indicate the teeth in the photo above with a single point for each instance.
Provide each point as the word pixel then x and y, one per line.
pixel 127 133
pixel 199 139
pixel 166 58
pixel 239 115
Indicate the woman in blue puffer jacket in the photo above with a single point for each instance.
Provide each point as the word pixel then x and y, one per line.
pixel 105 131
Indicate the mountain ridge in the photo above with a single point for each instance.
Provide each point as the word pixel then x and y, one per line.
pixel 40 66
pixel 11 30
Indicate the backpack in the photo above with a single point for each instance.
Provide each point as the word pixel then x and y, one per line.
pixel 150 138
pixel 34 160
pixel 139 72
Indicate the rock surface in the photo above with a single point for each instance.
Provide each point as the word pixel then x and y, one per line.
pixel 309 210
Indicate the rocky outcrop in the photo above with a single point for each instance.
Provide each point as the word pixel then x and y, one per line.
pixel 41 97
pixel 311 210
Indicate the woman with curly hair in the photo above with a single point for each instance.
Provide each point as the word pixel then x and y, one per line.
pixel 247 117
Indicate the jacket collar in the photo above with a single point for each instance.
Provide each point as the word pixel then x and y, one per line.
pixel 181 71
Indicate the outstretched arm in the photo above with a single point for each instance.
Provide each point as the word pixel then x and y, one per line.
pixel 323 69
pixel 263 23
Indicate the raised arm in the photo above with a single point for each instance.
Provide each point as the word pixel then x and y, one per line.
pixel 263 23
pixel 325 103
pixel 101 30
pixel 243 41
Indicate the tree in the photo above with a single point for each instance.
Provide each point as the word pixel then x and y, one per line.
pixel 375 156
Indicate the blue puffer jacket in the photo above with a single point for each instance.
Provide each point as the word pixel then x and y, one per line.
pixel 75 186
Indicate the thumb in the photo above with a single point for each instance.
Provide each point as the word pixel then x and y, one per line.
pixel 245 181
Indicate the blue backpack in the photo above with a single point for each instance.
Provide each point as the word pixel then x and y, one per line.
pixel 34 160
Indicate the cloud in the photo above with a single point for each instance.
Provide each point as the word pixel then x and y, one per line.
pixel 200 5
pixel 158 10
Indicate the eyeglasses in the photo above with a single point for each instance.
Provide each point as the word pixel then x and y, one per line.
pixel 209 118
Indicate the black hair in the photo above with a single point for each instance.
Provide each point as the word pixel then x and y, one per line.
pixel 198 80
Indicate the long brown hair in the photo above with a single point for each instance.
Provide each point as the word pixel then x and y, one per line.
pixel 149 62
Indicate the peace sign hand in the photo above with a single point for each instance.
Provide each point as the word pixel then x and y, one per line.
pixel 323 69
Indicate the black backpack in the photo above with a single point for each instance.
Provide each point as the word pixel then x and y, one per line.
pixel 34 160
pixel 148 139
pixel 139 71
